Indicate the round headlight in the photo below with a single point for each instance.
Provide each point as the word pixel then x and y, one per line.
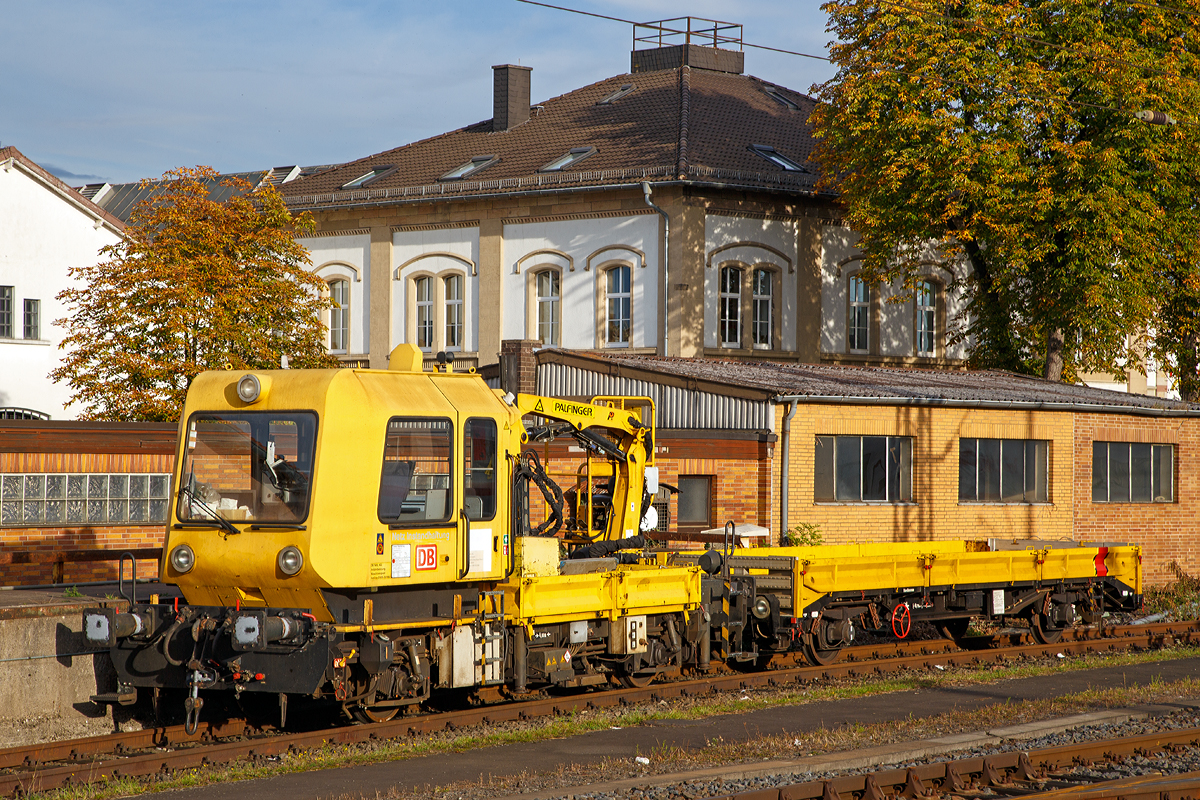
pixel 762 607
pixel 248 388
pixel 183 559
pixel 289 560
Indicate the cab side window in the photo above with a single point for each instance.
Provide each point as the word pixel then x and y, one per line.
pixel 479 462
pixel 415 484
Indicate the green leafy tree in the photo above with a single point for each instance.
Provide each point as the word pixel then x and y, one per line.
pixel 1005 134
pixel 1176 342
pixel 195 285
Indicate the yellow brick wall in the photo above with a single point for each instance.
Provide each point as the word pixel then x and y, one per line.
pixel 1166 532
pixel 935 512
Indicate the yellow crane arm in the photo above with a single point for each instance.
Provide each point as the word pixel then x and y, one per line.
pixel 633 453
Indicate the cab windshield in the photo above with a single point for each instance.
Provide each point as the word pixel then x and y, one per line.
pixel 248 466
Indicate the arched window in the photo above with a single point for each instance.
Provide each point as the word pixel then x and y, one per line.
pixel 424 293
pixel 454 312
pixel 339 316
pixel 763 290
pixel 858 318
pixel 729 312
pixel 926 327
pixel 620 310
pixel 549 305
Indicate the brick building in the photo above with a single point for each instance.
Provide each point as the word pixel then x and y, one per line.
pixel 884 454
pixel 81 486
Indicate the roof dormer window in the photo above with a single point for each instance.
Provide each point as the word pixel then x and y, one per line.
pixel 781 98
pixel 617 95
pixel 476 164
pixel 777 158
pixel 576 155
pixel 369 177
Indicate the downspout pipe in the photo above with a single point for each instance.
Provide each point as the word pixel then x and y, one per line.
pixel 666 259
pixel 785 441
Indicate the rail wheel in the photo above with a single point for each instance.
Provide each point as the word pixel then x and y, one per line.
pixel 1044 632
pixel 637 680
pixel 363 713
pixel 955 629
pixel 818 654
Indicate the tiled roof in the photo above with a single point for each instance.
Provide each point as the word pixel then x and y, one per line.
pixel 881 384
pixel 119 199
pixel 683 123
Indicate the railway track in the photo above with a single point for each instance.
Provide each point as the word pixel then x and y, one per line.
pixel 1070 772
pixel 162 750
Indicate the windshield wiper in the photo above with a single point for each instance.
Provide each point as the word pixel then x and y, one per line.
pixel 189 489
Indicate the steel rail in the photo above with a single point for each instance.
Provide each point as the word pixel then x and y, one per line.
pixel 1024 773
pixel 51 765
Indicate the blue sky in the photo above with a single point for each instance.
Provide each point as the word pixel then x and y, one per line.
pixel 119 91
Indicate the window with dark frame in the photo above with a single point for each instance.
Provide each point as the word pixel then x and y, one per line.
pixel 729 322
pixel 926 301
pixel 694 501
pixel 863 469
pixel 6 312
pixel 415 487
pixel 762 319
pixel 479 463
pixel 1133 472
pixel 1013 471
pixel 858 322
pixel 33 323
pixel 454 312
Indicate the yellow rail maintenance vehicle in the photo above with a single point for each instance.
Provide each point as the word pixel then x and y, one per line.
pixel 365 537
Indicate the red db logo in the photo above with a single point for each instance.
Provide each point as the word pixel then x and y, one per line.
pixel 427 556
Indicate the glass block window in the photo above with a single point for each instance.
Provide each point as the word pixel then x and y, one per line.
pixel 66 500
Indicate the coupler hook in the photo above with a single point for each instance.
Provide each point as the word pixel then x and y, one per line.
pixel 193 703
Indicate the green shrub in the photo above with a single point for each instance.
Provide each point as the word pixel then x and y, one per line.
pixel 806 534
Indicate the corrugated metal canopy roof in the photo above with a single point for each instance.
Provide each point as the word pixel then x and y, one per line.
pixel 901 386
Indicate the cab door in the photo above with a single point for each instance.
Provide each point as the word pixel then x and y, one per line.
pixel 482 479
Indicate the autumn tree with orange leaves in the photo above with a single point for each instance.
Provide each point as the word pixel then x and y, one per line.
pixel 1007 133
pixel 195 285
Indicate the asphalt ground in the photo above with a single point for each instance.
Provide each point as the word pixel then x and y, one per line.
pixel 534 757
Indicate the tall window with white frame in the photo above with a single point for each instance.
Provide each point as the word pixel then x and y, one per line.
pixel 762 312
pixel 454 312
pixel 729 312
pixel 339 316
pixel 424 293
pixel 6 312
pixel 620 311
pixel 926 300
pixel 858 322
pixel 549 296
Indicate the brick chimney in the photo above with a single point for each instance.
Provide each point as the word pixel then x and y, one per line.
pixel 510 96
pixel 518 366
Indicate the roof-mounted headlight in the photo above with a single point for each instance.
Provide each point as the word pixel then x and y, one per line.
pixel 249 388
pixel 290 560
pixel 183 559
